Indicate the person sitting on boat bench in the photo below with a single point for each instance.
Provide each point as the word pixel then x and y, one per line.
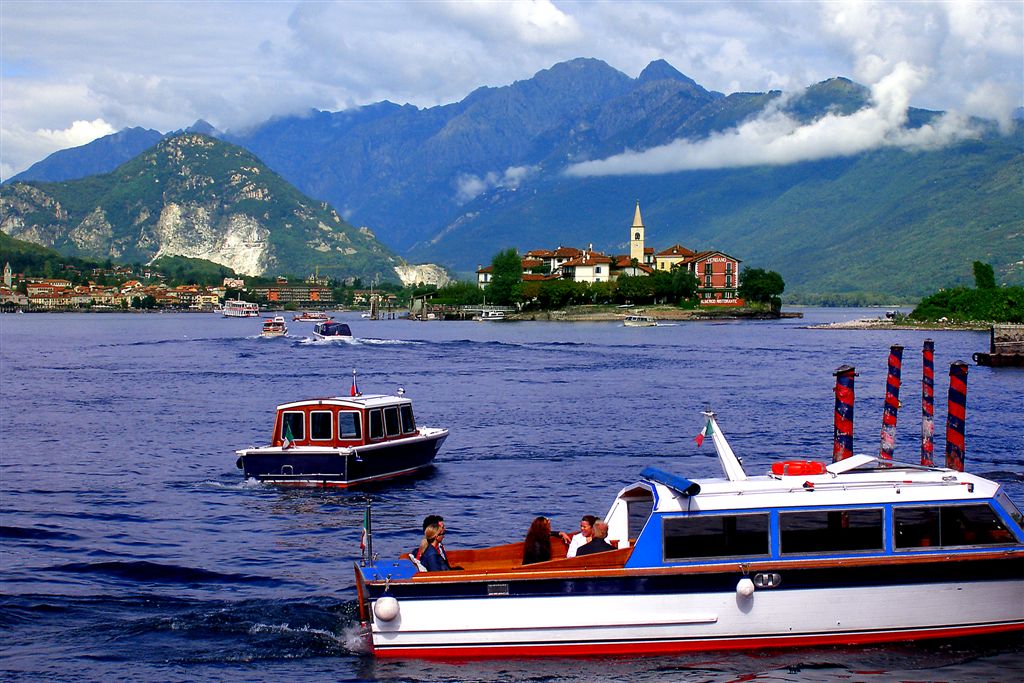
pixel 583 537
pixel 427 521
pixel 598 544
pixel 537 546
pixel 429 554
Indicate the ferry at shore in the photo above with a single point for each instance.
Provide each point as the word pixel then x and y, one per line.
pixel 857 551
pixel 330 329
pixel 240 309
pixel 342 441
pixel 311 317
pixel 274 327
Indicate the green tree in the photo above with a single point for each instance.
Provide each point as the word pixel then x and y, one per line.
pixel 984 276
pixel 684 284
pixel 762 286
pixel 506 275
pixel 635 289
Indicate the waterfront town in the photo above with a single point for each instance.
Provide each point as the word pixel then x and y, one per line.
pixel 717 273
pixel 147 289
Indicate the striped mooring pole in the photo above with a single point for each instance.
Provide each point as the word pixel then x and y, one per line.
pixel 955 416
pixel 890 409
pixel 928 405
pixel 842 442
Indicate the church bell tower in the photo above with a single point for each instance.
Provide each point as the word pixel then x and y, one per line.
pixel 636 236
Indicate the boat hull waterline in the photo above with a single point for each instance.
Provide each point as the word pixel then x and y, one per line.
pixel 704 613
pixel 342 467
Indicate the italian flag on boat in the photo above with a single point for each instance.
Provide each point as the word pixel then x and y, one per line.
pixel 289 440
pixel 366 527
pixel 707 431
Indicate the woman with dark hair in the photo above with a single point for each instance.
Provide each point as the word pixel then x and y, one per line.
pixel 537 546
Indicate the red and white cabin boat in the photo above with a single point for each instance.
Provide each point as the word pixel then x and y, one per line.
pixel 342 442
pixel 856 551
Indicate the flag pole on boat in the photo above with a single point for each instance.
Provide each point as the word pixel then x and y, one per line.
pixel 366 540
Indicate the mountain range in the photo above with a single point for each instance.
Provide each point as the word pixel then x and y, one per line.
pixel 456 183
pixel 195 196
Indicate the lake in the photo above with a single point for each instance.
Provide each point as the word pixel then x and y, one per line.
pixel 132 549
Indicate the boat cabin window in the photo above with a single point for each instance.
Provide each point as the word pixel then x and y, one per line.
pixel 296 423
pixel 1011 509
pixel 698 536
pixel 320 427
pixel 348 425
pixel 376 424
pixel 822 531
pixel 391 424
pixel 638 511
pixel 948 525
pixel 408 423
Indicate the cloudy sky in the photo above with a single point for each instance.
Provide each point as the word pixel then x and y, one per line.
pixel 74 71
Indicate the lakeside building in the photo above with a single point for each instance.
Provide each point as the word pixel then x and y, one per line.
pixel 717 273
pixel 301 293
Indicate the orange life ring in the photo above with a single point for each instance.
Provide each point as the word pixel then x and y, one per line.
pixel 798 468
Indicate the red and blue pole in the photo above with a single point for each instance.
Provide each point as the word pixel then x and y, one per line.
pixel 890 409
pixel 928 405
pixel 955 416
pixel 842 442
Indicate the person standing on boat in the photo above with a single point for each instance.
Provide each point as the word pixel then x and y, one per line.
pixel 598 544
pixel 537 546
pixel 429 553
pixel 575 541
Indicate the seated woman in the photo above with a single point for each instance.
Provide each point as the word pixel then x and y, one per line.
pixel 430 555
pixel 537 546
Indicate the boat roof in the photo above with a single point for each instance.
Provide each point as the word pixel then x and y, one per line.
pixel 869 482
pixel 363 401
pixel 858 480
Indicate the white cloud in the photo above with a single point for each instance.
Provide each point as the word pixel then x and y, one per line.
pixel 164 64
pixel 775 138
pixel 469 186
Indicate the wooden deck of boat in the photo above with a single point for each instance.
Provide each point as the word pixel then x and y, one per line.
pixel 504 562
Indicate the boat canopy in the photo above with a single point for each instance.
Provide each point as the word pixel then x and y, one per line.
pixel 678 484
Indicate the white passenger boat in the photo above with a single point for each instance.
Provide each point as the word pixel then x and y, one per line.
pixel 274 327
pixel 240 309
pixel 311 317
pixel 639 321
pixel 490 315
pixel 856 551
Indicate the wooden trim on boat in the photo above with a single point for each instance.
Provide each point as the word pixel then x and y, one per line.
pixel 612 564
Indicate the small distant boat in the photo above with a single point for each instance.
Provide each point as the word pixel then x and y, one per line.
pixel 311 317
pixel 488 316
pixel 274 327
pixel 639 321
pixel 332 330
pixel 240 309
pixel 366 315
pixel 341 442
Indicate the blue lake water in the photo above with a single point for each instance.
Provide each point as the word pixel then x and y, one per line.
pixel 131 549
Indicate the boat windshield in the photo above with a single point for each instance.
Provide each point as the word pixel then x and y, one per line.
pixel 1007 504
